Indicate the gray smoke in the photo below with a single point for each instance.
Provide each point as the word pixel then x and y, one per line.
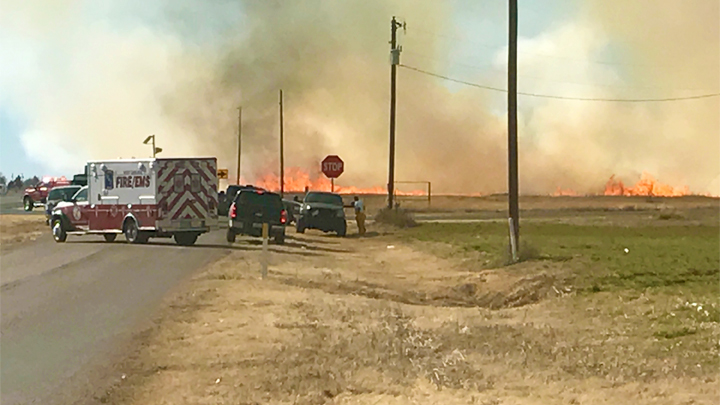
pixel 181 69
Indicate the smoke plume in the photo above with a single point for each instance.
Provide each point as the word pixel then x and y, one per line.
pixel 93 79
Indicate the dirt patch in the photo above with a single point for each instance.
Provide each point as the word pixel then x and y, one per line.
pixel 385 270
pixel 20 228
pixel 524 291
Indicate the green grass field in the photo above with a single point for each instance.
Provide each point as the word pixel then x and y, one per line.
pixel 663 293
pixel 678 258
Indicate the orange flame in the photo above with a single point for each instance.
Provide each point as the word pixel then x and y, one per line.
pixel 647 186
pixel 297 180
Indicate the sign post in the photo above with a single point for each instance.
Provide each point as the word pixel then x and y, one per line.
pixel 332 167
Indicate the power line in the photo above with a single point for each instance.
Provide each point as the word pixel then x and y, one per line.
pixel 494 70
pixel 453 80
pixel 638 100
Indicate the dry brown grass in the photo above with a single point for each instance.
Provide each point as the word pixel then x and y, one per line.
pixel 20 228
pixel 372 321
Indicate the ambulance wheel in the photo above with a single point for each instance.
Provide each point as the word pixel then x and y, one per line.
pixel 185 238
pixel 109 237
pixel 28 204
pixel 230 236
pixel 133 234
pixel 58 230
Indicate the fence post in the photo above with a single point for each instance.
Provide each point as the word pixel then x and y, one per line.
pixel 429 194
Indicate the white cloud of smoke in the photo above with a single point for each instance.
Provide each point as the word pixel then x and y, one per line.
pixel 94 81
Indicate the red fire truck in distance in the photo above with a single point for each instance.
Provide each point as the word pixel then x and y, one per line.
pixel 142 198
pixel 37 194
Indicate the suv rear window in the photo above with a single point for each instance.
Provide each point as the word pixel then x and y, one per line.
pixel 271 200
pixel 325 198
pixel 232 191
pixel 63 194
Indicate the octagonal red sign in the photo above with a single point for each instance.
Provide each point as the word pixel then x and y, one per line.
pixel 332 166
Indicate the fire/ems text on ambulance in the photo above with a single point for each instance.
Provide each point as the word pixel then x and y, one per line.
pixel 142 198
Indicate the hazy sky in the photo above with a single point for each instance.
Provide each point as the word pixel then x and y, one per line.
pixel 483 23
pixel 87 79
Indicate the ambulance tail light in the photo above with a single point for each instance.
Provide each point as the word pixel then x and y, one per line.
pixel 283 217
pixel 163 209
pixel 233 211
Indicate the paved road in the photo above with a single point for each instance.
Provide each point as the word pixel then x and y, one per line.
pixel 68 309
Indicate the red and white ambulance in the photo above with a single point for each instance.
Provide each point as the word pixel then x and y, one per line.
pixel 142 198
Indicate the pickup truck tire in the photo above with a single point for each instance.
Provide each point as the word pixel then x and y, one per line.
pixel 109 237
pixel 28 204
pixel 58 230
pixel 230 236
pixel 185 238
pixel 280 239
pixel 343 230
pixel 299 226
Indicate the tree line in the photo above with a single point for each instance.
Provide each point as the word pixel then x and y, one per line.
pixel 18 183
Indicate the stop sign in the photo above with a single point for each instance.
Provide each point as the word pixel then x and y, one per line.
pixel 332 166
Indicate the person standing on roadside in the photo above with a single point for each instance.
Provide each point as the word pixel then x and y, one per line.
pixel 359 215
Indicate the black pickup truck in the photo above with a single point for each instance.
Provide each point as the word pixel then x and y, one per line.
pixel 251 208
pixel 225 198
pixel 323 211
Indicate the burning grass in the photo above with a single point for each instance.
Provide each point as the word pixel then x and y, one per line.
pixel 297 179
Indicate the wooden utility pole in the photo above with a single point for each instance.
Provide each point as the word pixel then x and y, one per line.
pixel 282 152
pixel 239 143
pixel 395 60
pixel 513 191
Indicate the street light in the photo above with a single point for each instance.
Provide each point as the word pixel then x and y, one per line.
pixel 155 150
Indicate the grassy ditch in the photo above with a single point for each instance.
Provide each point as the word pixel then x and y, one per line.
pixel 658 284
